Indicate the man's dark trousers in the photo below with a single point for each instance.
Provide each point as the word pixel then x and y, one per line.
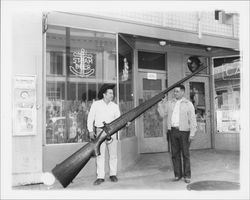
pixel 180 146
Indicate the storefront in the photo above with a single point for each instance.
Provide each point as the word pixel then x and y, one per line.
pixel 79 60
pixel 81 52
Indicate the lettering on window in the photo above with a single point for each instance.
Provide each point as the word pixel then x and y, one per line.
pixel 84 64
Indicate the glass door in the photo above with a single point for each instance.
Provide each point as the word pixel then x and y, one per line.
pixel 197 90
pixel 152 131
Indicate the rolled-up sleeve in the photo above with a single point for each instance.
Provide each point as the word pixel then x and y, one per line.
pixel 91 117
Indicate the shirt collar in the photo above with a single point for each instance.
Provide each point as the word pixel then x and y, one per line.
pixel 183 99
pixel 105 102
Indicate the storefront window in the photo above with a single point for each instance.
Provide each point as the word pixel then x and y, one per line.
pixel 227 98
pixel 197 97
pixel 78 62
pixel 126 97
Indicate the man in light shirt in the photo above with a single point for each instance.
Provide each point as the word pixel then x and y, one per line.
pixel 181 122
pixel 104 110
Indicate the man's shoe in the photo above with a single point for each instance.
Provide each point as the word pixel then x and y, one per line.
pixel 113 178
pixel 98 181
pixel 187 180
pixel 176 179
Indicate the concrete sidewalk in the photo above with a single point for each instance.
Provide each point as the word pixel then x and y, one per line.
pixel 154 171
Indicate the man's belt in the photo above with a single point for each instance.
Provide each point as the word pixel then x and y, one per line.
pixel 175 127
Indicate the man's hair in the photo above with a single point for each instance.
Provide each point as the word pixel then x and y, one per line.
pixel 182 87
pixel 104 89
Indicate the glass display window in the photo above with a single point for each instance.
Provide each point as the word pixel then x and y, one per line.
pixel 227 94
pixel 78 62
pixel 197 97
pixel 126 84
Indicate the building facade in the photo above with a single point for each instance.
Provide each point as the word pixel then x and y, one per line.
pixel 62 61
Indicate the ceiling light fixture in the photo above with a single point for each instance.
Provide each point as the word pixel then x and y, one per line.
pixel 162 43
pixel 208 49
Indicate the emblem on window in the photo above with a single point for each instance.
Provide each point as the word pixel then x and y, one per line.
pixel 84 64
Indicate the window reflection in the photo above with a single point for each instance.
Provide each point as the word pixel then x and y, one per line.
pixel 126 84
pixel 56 63
pixel 152 122
pixel 197 97
pixel 227 98
pixel 71 54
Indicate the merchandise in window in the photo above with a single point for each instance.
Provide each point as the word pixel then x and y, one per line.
pixel 78 62
pixel 126 97
pixel 227 97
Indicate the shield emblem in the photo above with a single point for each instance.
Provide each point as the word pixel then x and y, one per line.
pixel 193 63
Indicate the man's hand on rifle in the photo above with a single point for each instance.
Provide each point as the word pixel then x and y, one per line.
pixel 92 135
pixel 165 99
pixel 128 124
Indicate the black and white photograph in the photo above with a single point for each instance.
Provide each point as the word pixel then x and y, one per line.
pixel 125 99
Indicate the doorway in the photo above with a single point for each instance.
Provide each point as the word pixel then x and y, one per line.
pixel 197 90
pixel 152 128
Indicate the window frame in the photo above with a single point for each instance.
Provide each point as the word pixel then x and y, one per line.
pixel 214 118
pixel 44 76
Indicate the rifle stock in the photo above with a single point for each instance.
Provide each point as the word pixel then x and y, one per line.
pixel 68 169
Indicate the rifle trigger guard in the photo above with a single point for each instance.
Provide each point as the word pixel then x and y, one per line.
pixel 106 129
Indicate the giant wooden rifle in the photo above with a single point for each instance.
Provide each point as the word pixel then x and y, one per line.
pixel 68 169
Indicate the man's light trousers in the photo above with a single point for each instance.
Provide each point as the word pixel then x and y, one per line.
pixel 112 156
